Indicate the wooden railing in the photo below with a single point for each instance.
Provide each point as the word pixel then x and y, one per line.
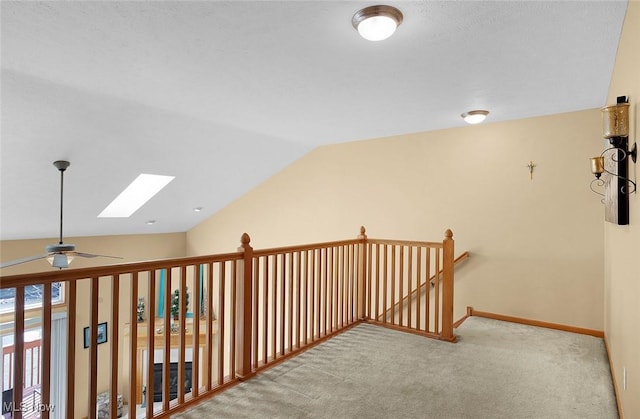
pixel 248 310
pixel 32 357
pixel 421 285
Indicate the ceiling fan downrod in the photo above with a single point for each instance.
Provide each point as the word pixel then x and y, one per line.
pixel 61 165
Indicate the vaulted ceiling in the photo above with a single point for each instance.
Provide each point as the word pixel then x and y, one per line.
pixel 223 94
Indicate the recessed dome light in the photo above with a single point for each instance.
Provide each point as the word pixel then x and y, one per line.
pixel 197 209
pixel 151 222
pixel 474 117
pixel 376 23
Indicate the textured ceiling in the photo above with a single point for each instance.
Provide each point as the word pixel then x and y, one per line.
pixel 223 95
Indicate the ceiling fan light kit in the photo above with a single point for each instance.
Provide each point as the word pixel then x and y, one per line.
pixel 58 255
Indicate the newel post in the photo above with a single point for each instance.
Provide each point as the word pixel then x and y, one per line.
pixel 243 306
pixel 362 272
pixel 447 286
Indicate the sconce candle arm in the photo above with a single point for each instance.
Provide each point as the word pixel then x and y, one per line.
pixel 625 154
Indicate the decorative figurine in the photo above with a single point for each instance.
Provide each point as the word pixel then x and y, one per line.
pixel 140 310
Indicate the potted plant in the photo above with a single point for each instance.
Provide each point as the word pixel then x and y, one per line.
pixel 175 304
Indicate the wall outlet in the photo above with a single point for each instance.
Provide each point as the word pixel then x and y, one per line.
pixel 624 378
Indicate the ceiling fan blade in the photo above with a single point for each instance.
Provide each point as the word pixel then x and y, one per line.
pixel 23 260
pixel 91 255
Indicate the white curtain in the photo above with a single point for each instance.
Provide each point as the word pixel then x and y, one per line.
pixel 59 365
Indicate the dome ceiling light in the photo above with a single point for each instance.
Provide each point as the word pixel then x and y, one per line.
pixel 474 117
pixel 376 23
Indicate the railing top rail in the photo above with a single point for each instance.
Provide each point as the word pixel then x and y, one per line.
pixel 11 281
pixel 298 248
pixel 405 243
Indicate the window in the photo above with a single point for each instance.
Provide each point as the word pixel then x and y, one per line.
pixel 32 296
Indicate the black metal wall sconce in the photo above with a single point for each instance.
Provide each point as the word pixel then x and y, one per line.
pixel 614 163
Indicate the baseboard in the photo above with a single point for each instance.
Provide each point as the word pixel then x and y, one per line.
pixel 613 379
pixel 463 318
pixel 538 323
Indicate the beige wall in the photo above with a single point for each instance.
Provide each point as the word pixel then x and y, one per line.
pixel 622 243
pixel 131 248
pixel 536 244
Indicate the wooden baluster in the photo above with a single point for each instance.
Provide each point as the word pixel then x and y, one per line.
pixel 234 322
pixel 221 322
pixel 318 291
pixel 274 308
pixel 113 345
pixel 401 290
pixel 384 284
pixel 353 284
pixel 265 319
pixel 93 346
pixel 409 283
pixel 210 329
pixel 151 331
pixel 195 358
pixel 45 367
pixel 418 284
pixel 436 298
pixel 427 291
pixel 166 355
pixel 256 310
pixel 447 286
pixel 343 268
pixel 312 267
pixel 336 290
pixel 393 284
pixel 283 286
pixel 308 291
pixel 377 300
pixel 325 294
pixel 71 348
pixel 18 355
pixel 182 304
pixel 289 256
pixel 369 278
pixel 299 277
pixel 331 270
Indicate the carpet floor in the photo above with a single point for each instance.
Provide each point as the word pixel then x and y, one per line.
pixel 496 370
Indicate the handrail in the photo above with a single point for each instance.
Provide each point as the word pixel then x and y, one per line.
pixel 37 278
pixel 270 304
pixel 405 243
pixel 461 258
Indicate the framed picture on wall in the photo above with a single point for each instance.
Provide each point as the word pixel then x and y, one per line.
pixel 102 334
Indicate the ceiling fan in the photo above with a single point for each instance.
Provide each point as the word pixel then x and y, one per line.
pixel 59 255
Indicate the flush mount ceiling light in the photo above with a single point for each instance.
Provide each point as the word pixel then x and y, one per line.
pixel 474 117
pixel 376 23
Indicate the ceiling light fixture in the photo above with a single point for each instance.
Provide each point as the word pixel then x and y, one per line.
pixel 150 222
pixel 197 209
pixel 474 117
pixel 376 23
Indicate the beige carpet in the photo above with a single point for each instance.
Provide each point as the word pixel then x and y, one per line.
pixel 496 370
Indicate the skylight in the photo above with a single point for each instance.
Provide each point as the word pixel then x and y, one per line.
pixel 142 189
